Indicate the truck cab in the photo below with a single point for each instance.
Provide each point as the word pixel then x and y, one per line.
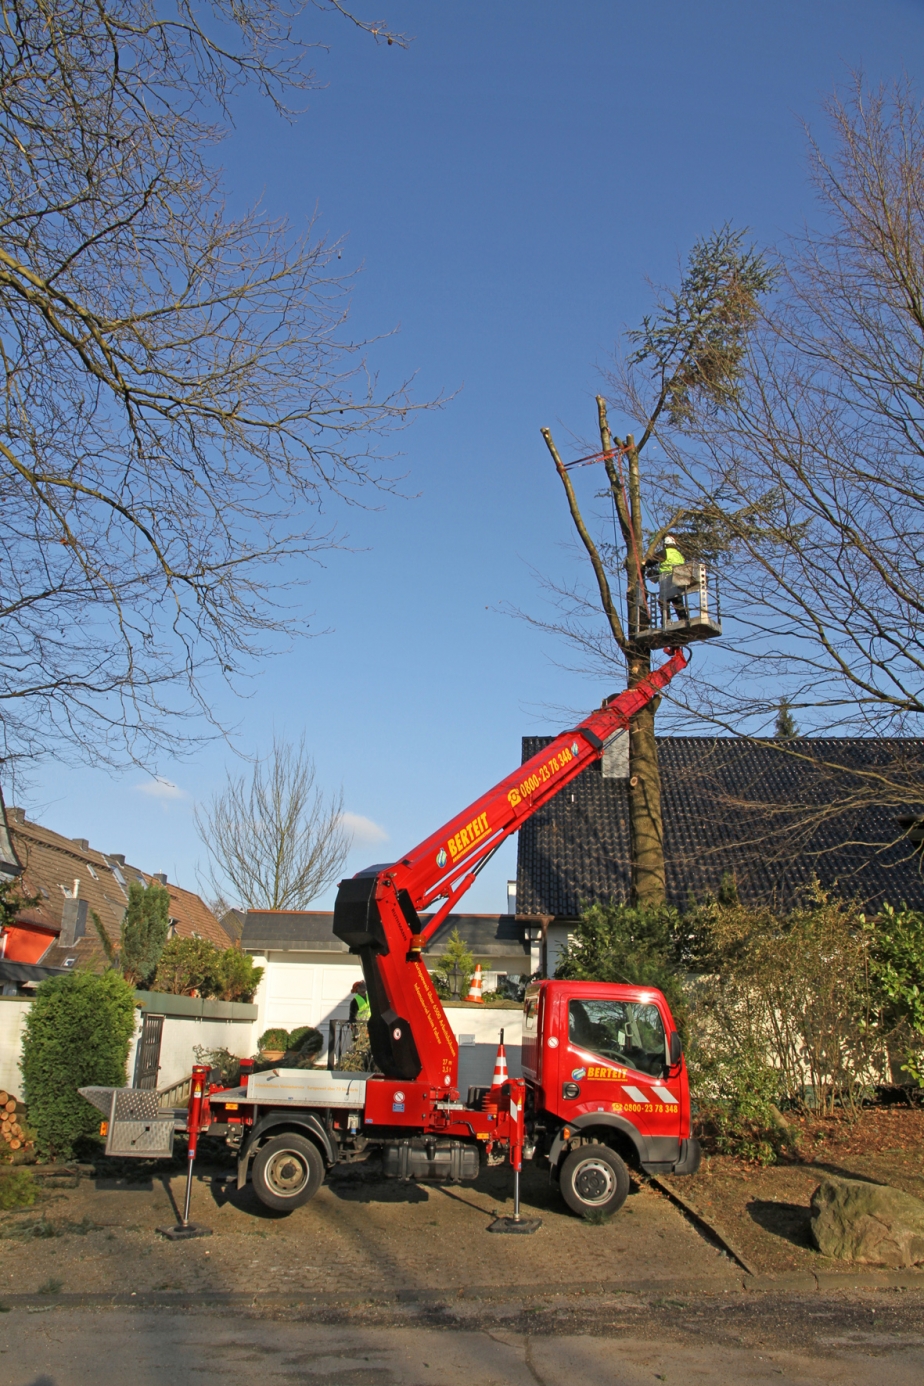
pixel 606 1075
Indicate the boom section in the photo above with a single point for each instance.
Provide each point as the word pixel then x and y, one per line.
pixel 377 913
pixel 445 865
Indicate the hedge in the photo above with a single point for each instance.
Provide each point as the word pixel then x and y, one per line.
pixel 77 1034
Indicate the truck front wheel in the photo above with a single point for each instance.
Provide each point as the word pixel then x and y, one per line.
pixel 287 1171
pixel 593 1179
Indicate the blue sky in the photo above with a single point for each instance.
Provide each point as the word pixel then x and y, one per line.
pixel 505 186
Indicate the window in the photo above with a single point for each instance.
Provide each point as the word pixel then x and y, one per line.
pixel 92 872
pixel 531 1018
pixel 625 1032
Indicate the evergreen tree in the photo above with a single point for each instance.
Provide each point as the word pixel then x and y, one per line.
pixel 785 727
pixel 144 932
pixel 457 967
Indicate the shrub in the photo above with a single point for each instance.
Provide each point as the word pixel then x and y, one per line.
pixel 794 989
pixel 77 1034
pixel 235 977
pixel 635 945
pixel 737 1091
pixel 195 965
pixel 187 965
pixel 17 1190
pixel 274 1038
pixel 897 967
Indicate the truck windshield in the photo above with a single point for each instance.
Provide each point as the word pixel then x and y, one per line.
pixel 626 1032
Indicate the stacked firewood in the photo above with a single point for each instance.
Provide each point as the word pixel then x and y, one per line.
pixel 13 1132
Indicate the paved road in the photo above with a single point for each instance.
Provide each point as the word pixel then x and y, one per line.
pixel 611 1341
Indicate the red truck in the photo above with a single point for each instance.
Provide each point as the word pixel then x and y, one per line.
pixel 604 1084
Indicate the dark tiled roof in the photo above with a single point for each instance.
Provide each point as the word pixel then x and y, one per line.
pixel 485 935
pixel 297 931
pixel 761 813
pixel 310 931
pixel 232 921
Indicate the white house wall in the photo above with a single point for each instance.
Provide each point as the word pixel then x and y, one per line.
pixel 13 1012
pixel 556 942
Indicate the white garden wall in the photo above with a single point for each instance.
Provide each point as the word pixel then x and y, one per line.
pixel 478 1032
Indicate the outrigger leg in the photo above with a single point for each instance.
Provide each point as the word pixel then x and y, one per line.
pixel 184 1228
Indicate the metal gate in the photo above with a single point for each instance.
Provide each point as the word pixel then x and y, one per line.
pixel 147 1064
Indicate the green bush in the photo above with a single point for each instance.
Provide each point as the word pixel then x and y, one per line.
pixel 77 1034
pixel 186 965
pixel 17 1190
pixel 300 1047
pixel 795 988
pixel 897 966
pixel 190 965
pixel 634 945
pixel 737 1091
pixel 235 978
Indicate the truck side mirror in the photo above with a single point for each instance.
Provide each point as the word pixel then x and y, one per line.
pixel 676 1048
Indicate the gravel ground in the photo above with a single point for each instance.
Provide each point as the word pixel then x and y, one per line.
pixel 357 1237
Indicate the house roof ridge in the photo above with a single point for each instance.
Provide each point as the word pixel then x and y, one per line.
pixel 60 843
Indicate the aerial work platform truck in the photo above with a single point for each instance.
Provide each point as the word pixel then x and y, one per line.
pixel 604 1085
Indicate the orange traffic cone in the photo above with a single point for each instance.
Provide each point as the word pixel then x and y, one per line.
pixel 500 1065
pixel 474 991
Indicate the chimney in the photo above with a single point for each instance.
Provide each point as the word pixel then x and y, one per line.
pixel 511 897
pixel 73 921
pixel 82 842
pixel 118 858
pixel 16 815
pixel 160 877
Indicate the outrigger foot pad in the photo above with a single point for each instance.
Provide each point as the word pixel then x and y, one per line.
pixel 522 1225
pixel 182 1234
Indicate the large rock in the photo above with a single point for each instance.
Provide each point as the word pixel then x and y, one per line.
pixel 869 1223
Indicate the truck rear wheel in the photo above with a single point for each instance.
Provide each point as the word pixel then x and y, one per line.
pixel 287 1172
pixel 593 1179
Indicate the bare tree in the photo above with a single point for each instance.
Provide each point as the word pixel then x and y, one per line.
pixel 274 840
pixel 816 477
pixel 179 394
pixel 806 487
pixel 687 357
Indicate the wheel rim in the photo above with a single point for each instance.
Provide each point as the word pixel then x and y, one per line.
pixel 594 1181
pixel 286 1173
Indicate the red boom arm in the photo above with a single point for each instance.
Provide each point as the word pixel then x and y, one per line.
pixel 446 864
pixel 377 914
